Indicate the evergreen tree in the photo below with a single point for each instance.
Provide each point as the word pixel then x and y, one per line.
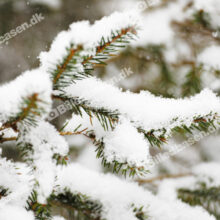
pixel 126 128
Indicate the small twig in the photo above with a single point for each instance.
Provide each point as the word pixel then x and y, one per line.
pixel 25 111
pixel 58 97
pixel 2 140
pixel 101 49
pixel 63 67
pixel 66 133
pixel 162 177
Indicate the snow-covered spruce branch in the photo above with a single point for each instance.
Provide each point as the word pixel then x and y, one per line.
pixel 30 102
pixel 122 133
pixel 142 113
pixel 104 101
pixel 78 55
pixel 201 188
pixel 209 198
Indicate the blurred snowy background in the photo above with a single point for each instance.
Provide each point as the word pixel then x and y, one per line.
pixel 177 55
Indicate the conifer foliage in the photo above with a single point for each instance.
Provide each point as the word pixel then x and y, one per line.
pixel 123 126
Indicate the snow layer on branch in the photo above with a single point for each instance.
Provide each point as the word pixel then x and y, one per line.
pixel 117 196
pixel 46 142
pixel 210 57
pixel 145 109
pixel 204 173
pixel 9 132
pixel 29 83
pixel 18 180
pixel 45 133
pixel 168 192
pixel 78 35
pixel 123 144
pixel 13 213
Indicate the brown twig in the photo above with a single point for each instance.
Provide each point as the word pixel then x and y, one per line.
pixel 2 140
pixel 162 177
pixel 100 49
pixel 67 133
pixel 62 68
pixel 25 111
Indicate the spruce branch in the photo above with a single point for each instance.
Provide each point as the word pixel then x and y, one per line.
pixel 117 167
pixel 41 211
pixel 78 204
pixel 153 139
pixel 139 213
pixel 202 18
pixel 108 47
pixel 193 82
pixel 30 109
pixel 106 118
pixel 190 27
pixel 82 207
pixel 63 67
pixel 61 160
pixel 67 71
pixel 3 192
pixel 207 197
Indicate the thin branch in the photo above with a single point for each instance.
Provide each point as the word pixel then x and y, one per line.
pixel 162 177
pixel 24 113
pixel 102 48
pixel 2 140
pixel 67 133
pixel 63 67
